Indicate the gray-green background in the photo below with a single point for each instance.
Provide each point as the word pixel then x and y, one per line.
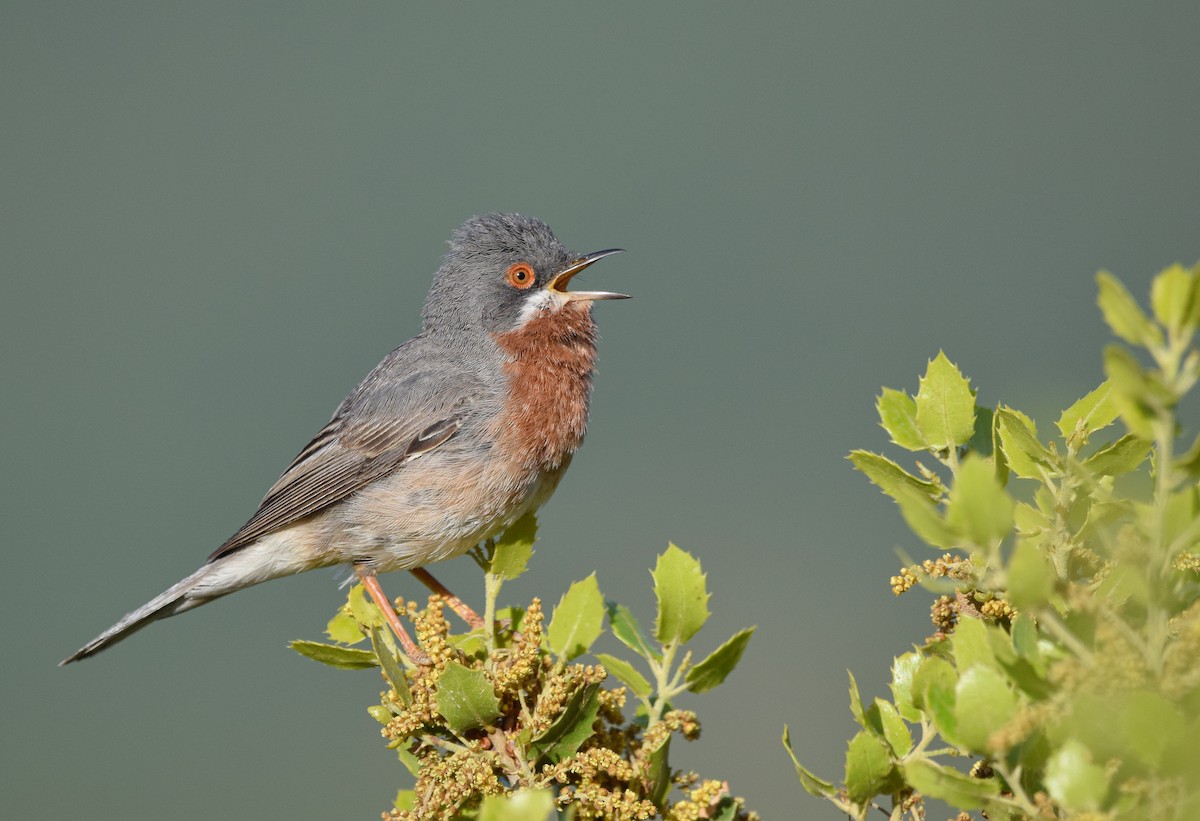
pixel 217 217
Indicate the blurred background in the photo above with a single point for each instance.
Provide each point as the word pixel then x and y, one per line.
pixel 216 218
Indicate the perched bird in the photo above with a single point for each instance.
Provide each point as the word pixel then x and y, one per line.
pixel 450 439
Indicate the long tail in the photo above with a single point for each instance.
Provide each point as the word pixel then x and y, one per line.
pixel 171 602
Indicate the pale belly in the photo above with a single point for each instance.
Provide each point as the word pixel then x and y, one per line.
pixel 420 516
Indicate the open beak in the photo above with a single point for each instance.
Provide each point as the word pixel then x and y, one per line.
pixel 559 283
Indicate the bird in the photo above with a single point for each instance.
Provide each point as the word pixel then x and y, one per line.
pixel 450 439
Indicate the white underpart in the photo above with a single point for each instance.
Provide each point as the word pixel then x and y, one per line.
pixel 271 557
pixel 543 300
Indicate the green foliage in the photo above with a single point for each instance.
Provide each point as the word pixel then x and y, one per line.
pixel 1062 677
pixel 502 723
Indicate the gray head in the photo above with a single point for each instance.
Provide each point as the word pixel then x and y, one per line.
pixel 503 269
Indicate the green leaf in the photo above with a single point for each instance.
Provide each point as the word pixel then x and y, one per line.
pixel 627 630
pixel 1025 641
pixel 344 629
pixel 1023 453
pixel 856 702
pixel 1174 299
pixel 898 416
pixel 364 611
pixel 891 725
pixel 346 658
pixel 983 704
pixel 657 777
pixel 981 441
pixel 522 805
pixel 515 547
pixel 903 669
pixel 811 783
pixel 1152 725
pixel 627 674
pixel 1133 391
pixel 889 476
pixel 868 767
pixel 409 760
pixel 406 799
pixel 1073 780
pixel 956 789
pixel 921 515
pixel 999 459
pixel 933 673
pixel 682 596
pixel 570 729
pixel 971 645
pixel 392 671
pixel 720 663
pixel 1123 314
pixel 945 405
pixel 578 619
pixel 1122 456
pixel 1030 577
pixel 466 698
pixel 1091 413
pixel 979 509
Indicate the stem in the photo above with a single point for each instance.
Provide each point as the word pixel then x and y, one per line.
pixel 662 684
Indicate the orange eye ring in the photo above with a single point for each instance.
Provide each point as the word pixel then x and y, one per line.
pixel 520 275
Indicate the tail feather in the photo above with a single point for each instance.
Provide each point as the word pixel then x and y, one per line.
pixel 171 602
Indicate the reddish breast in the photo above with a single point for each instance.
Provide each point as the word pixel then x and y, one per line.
pixel 549 369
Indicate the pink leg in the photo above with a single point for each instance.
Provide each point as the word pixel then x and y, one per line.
pixel 389 613
pixel 464 611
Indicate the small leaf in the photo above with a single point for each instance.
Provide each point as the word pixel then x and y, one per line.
pixel 344 629
pixel 682 596
pixel 889 476
pixel 406 799
pixel 1173 298
pixel 1030 577
pixel 578 619
pixel 1133 391
pixel 1023 453
pixel 1122 456
pixel 346 658
pixel 898 416
pixel 1093 412
pixel 409 760
pixel 895 731
pixel 856 702
pixel 392 671
pixel 1123 314
pixel 971 645
pixel 981 441
pixel 522 805
pixel 571 728
pixel 921 515
pixel 954 788
pixel 627 630
pixel 720 663
pixel 364 611
pixel 868 767
pixel 1152 726
pixel 983 704
pixel 812 785
pixel 933 673
pixel 627 674
pixel 1073 780
pixel 515 547
pixel 945 405
pixel 903 669
pixel 466 698
pixel 657 777
pixel 979 508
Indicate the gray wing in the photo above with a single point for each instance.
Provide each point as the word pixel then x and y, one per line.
pixel 389 419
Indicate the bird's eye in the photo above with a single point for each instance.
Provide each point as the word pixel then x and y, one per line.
pixel 520 275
